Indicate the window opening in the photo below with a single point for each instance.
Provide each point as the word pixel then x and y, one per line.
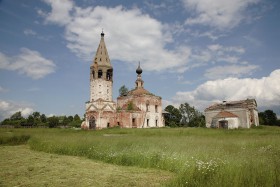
pixel 109 74
pixel 100 73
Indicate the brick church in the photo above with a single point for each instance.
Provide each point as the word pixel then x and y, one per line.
pixel 136 109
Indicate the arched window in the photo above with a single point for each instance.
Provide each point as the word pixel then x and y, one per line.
pixel 109 74
pixel 147 106
pixel 100 73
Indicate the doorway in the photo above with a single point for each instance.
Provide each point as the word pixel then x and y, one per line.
pixel 223 124
pixel 92 124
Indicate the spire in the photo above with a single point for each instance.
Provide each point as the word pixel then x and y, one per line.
pixel 102 34
pixel 101 56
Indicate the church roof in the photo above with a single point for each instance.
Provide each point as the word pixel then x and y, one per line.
pixel 101 57
pixel 225 114
pixel 139 91
pixel 248 103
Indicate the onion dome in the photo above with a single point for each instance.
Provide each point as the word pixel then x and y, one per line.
pixel 139 70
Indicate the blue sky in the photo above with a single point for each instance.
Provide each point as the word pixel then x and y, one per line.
pixel 195 51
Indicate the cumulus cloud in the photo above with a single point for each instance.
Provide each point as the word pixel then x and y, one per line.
pixel 220 72
pixel 230 57
pixel 265 90
pixel 60 12
pixel 130 35
pixel 8 108
pixel 219 14
pixel 29 63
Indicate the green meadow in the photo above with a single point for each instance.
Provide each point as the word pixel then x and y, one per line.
pixel 165 157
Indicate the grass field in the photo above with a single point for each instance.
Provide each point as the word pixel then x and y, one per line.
pixel 195 156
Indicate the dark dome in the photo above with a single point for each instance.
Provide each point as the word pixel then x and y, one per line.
pixel 139 70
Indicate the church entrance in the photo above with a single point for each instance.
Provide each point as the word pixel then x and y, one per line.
pixel 92 124
pixel 223 124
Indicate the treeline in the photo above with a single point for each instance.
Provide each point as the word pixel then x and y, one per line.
pixel 268 117
pixel 184 116
pixel 41 120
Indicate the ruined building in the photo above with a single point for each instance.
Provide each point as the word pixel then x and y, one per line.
pixel 137 109
pixel 232 114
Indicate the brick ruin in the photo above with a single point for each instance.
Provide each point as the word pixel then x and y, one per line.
pixel 137 109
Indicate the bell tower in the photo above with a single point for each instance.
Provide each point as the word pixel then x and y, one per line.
pixel 101 74
pixel 100 109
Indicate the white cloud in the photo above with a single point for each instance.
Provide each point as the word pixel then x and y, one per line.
pixel 228 56
pixel 219 72
pixel 28 62
pixel 8 108
pixel 219 14
pixel 130 35
pixel 29 32
pixel 60 13
pixel 265 90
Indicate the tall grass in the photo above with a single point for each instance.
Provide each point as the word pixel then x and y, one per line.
pixel 9 138
pixel 199 157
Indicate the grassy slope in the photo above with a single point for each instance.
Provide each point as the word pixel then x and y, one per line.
pixel 21 166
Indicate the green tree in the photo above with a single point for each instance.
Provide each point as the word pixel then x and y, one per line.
pixel 70 118
pixel 43 118
pixel 268 117
pixel 123 90
pixel 53 121
pixel 173 117
pixel 36 115
pixel 30 120
pixel 65 121
pixel 77 117
pixel 191 117
pixel 16 116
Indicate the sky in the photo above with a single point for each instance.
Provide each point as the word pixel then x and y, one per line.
pixel 195 51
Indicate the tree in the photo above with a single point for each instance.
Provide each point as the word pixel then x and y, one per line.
pixel 53 121
pixel 268 117
pixel 30 120
pixel 123 90
pixel 190 116
pixel 173 117
pixel 16 116
pixel 70 118
pixel 43 118
pixel 77 117
pixel 36 115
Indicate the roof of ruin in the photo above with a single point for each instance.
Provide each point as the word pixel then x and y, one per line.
pixel 101 57
pixel 248 103
pixel 225 114
pixel 139 91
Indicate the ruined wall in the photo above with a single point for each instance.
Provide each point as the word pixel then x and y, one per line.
pixel 103 113
pixel 150 107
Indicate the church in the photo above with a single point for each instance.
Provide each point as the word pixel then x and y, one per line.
pixel 136 109
pixel 232 114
